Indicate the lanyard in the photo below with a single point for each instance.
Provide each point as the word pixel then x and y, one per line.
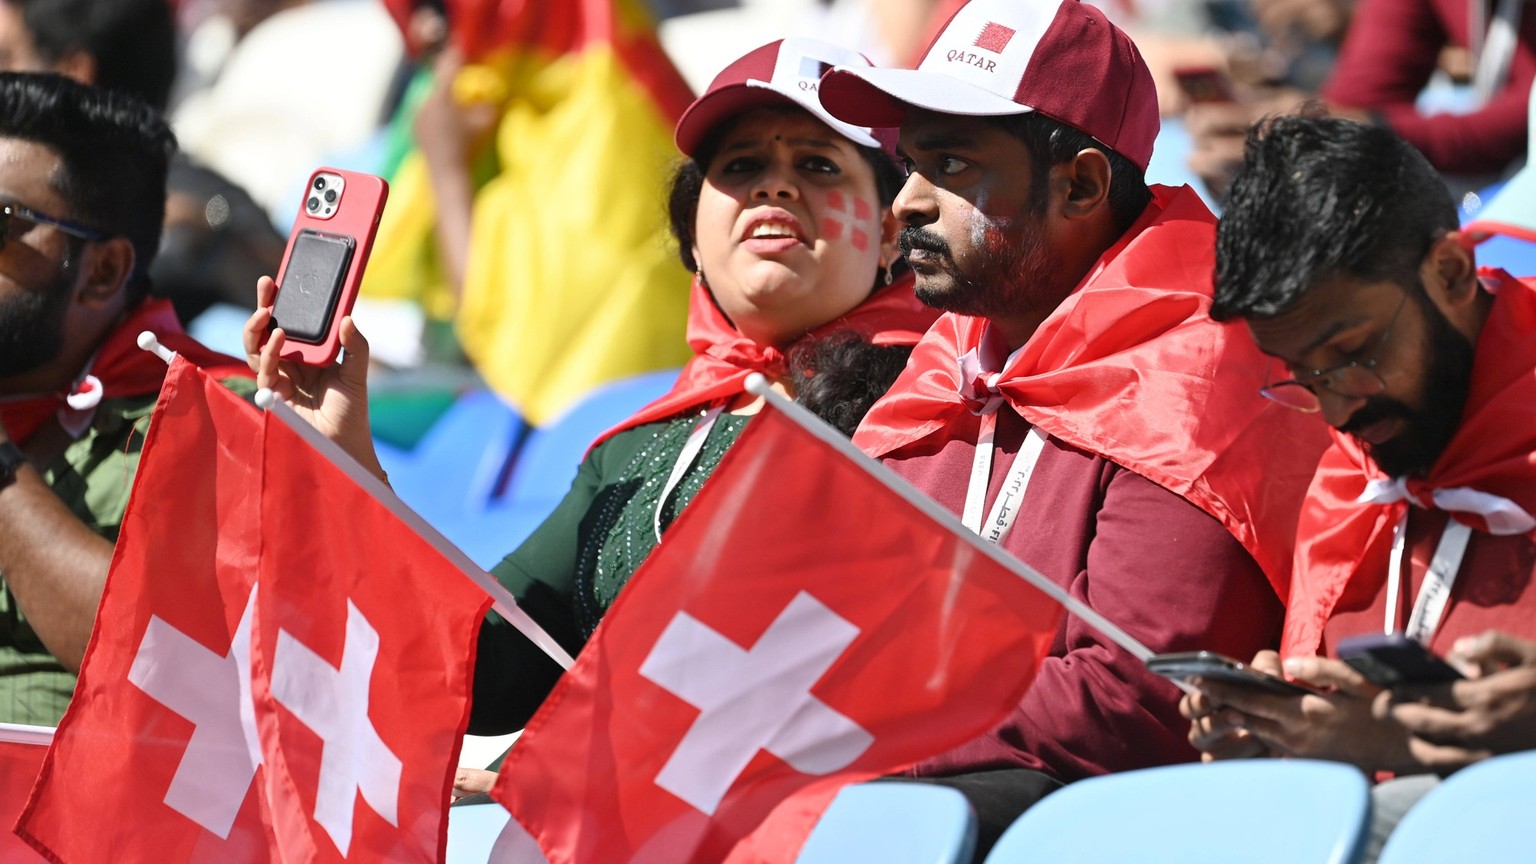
pixel 1435 593
pixel 691 449
pixel 1006 508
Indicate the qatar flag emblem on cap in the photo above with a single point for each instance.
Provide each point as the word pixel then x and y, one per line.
pixel 812 69
pixel 994 37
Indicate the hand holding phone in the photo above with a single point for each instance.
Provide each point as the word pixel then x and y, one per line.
pixel 323 265
pixel 1203 84
pixel 1186 665
pixel 1390 659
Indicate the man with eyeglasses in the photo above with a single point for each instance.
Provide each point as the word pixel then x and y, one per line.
pixel 1340 249
pixel 82 198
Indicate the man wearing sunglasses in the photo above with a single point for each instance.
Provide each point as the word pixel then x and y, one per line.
pixel 82 199
pixel 1340 249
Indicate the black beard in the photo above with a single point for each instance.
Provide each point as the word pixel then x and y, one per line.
pixel 1427 432
pixel 1020 275
pixel 32 326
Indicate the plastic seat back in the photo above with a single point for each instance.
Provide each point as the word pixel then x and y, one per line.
pixel 548 459
pixel 1256 811
pixel 894 823
pixel 1480 813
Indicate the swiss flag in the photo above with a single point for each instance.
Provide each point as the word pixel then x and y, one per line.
pixel 135 776
pixel 264 627
pixel 804 626
pixel 365 646
pixel 22 749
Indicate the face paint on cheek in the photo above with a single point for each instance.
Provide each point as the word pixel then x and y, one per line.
pixel 835 200
pixel 832 229
pixel 859 239
pixel 862 209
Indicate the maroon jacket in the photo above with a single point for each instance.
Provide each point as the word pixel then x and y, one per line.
pixel 1389 54
pixel 1150 561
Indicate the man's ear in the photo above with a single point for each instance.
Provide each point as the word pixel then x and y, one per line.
pixel 79 65
pixel 1086 179
pixel 1449 271
pixel 106 266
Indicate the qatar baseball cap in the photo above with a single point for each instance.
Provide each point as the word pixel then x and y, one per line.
pixel 787 70
pixel 1061 58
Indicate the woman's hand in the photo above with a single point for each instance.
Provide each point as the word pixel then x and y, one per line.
pixel 332 398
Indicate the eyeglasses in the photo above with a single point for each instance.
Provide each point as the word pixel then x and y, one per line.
pixel 18 213
pixel 1355 378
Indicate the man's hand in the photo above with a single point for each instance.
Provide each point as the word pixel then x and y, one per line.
pixel 471 781
pixel 1337 723
pixel 1462 722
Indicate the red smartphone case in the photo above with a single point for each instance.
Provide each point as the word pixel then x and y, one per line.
pixel 358 209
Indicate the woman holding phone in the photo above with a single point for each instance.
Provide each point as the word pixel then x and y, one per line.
pixel 783 215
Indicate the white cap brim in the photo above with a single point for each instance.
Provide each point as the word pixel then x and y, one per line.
pixel 880 97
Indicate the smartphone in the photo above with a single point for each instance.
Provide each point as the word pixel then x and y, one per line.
pixel 1214 667
pixel 1203 84
pixel 1390 659
pixel 323 265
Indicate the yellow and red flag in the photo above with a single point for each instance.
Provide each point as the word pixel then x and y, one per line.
pixel 571 279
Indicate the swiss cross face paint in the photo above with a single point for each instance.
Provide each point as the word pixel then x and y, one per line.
pixel 852 219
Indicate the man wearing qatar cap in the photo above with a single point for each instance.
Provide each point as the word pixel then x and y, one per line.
pixel 1076 404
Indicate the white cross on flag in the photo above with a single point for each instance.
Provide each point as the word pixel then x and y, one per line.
pixel 803 626
pixel 279 669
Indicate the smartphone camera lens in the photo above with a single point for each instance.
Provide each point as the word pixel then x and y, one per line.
pixel 330 196
pixel 319 182
pixel 313 204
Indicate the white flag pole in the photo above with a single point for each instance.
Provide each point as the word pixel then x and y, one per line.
pixel 16 733
pixel 501 599
pixel 758 386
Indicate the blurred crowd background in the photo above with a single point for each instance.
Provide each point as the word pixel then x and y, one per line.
pixel 528 142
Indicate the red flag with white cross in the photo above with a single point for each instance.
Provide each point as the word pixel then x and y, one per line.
pixel 804 625
pixel 365 646
pixel 265 625
pixel 157 755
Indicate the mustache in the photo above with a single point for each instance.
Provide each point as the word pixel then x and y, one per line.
pixel 913 237
pixel 1374 411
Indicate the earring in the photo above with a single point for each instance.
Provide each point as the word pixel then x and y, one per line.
pixel 888 276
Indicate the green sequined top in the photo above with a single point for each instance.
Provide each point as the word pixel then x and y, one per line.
pixel 570 570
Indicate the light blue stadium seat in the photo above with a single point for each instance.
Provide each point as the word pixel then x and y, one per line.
pixel 1255 811
pixel 545 465
pixel 1481 813
pixel 453 472
pixel 547 462
pixel 893 823
pixel 478 833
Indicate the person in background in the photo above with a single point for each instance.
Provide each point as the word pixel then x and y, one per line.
pixel 1389 53
pixel 217 241
pixel 82 199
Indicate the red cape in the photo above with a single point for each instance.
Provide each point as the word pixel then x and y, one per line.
pixel 124 368
pixel 1132 368
pixel 1493 451
pixel 723 358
